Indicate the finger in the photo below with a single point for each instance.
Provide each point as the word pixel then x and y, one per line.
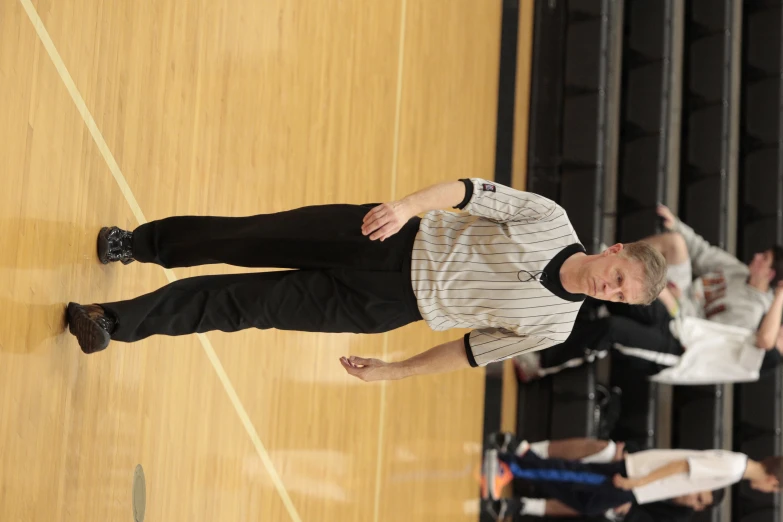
pixel 385 229
pixel 359 361
pixel 371 218
pixel 351 369
pixel 372 212
pixel 390 233
pixel 376 223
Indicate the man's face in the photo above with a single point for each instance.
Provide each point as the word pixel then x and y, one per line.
pixel 613 277
pixel 761 265
pixel 696 501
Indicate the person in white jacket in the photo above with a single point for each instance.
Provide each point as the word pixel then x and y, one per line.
pixel 671 349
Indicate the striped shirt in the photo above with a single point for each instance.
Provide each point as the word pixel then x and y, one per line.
pixel 495 267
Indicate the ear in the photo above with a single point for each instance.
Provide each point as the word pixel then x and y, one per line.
pixel 613 250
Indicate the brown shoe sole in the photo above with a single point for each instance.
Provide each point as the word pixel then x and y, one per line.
pixel 92 338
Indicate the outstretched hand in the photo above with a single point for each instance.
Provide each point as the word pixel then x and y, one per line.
pixel 386 220
pixel 368 370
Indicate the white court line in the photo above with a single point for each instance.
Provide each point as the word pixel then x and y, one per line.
pixel 395 158
pixel 134 205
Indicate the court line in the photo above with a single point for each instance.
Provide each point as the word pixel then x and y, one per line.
pixel 395 163
pixel 97 136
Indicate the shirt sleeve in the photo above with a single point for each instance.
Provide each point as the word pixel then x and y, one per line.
pixel 490 345
pixel 503 204
pixel 717 465
pixel 705 258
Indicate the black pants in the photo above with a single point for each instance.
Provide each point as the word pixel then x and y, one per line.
pixel 586 488
pixel 345 281
pixel 643 327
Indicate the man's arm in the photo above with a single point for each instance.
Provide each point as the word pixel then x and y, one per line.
pixel 446 357
pixel 387 219
pixel 673 468
pixel 475 196
pixel 767 335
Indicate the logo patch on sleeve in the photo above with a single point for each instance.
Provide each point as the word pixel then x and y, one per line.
pixel 487 187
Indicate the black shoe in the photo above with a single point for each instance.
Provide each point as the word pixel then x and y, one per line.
pixel 115 244
pixel 503 442
pixel 502 508
pixel 91 326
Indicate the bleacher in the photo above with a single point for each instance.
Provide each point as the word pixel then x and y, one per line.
pixel 642 101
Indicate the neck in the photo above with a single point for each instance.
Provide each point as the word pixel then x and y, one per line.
pixel 570 274
pixel 761 284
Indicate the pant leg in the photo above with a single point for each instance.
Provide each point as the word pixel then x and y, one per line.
pixel 315 237
pixel 587 488
pixel 654 314
pixel 302 300
pixel 586 337
pixel 603 334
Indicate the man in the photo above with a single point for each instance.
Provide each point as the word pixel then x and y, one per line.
pixel 642 478
pixel 547 502
pixel 509 265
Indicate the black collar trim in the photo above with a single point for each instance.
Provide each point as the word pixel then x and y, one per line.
pixel 552 282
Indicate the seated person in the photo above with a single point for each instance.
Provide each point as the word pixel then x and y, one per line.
pixel 725 289
pixel 644 477
pixel 652 340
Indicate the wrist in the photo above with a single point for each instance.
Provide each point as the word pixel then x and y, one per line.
pixel 411 206
pixel 398 370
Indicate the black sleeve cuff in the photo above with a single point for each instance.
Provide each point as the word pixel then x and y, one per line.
pixel 468 194
pixel 469 352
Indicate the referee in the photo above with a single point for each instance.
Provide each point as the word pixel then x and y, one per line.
pixel 509 266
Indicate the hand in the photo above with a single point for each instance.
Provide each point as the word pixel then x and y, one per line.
pixel 674 289
pixel 779 290
pixel 623 510
pixel 368 370
pixel 624 483
pixel 669 220
pixel 386 220
pixel 620 452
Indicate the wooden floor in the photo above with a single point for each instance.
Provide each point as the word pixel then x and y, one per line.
pixel 131 110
